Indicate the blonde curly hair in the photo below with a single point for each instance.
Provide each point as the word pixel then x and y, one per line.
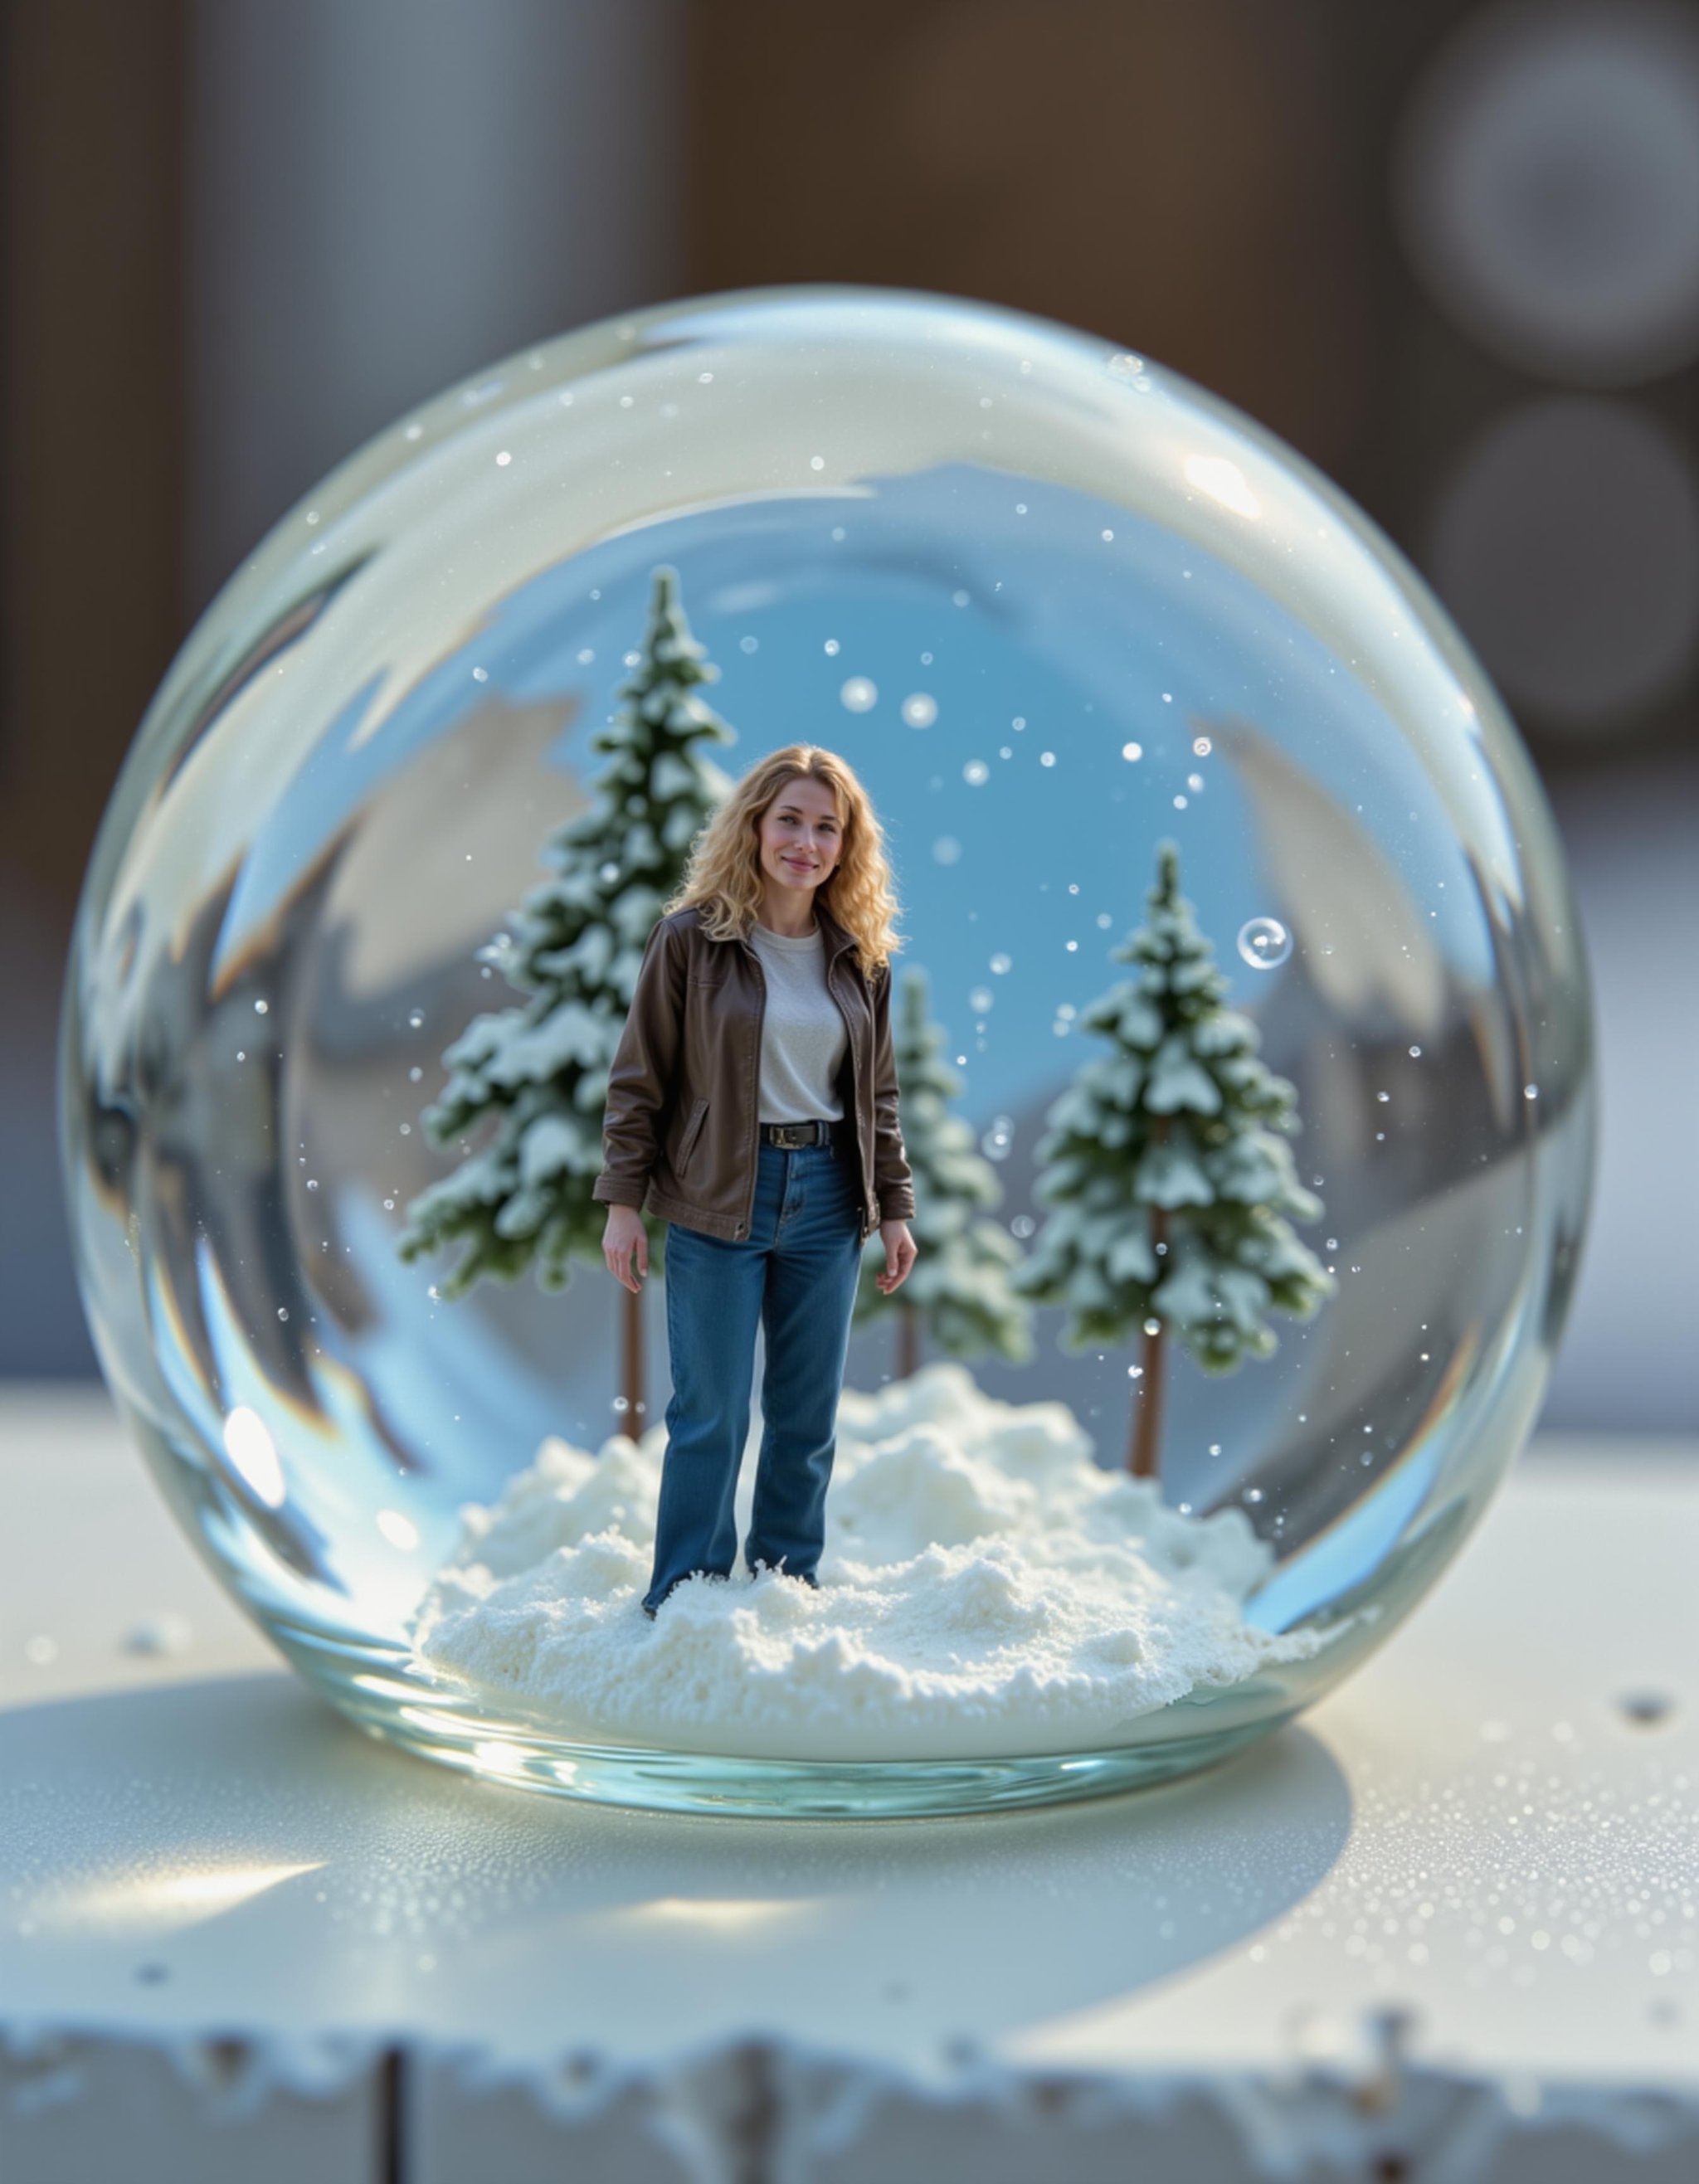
pixel 723 877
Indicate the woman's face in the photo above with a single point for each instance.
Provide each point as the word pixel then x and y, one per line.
pixel 802 837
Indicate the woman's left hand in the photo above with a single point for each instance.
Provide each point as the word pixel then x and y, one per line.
pixel 899 1255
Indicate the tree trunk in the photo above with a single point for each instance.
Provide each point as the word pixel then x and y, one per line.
pixel 908 1341
pixel 1147 1392
pixel 1147 1410
pixel 630 1351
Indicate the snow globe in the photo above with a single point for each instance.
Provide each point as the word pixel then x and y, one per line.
pixel 1240 1018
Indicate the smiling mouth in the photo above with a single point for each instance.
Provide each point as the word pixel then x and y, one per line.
pixel 796 867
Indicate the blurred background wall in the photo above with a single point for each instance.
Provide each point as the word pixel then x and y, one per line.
pixel 1450 251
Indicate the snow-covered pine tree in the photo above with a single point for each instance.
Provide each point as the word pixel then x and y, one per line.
pixel 1169 1182
pixel 540 1069
pixel 959 1290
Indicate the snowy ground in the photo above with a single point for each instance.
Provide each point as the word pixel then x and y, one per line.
pixel 987 1590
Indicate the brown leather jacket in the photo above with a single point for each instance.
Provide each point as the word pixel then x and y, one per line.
pixel 678 1135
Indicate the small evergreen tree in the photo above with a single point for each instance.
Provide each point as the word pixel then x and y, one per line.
pixel 1168 1179
pixel 959 1290
pixel 540 1069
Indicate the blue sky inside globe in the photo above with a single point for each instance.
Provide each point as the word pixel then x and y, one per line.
pixel 1141 639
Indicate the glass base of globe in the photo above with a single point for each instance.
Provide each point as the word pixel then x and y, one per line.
pixel 377 1690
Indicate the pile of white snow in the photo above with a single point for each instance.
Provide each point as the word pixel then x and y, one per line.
pixel 987 1590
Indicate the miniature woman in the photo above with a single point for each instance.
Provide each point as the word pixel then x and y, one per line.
pixel 752 1104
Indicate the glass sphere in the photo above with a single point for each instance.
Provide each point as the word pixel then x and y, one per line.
pixel 1075 622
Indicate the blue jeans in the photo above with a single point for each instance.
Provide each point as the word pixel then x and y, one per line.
pixel 795 1275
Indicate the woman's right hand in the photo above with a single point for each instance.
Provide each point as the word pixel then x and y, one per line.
pixel 625 1233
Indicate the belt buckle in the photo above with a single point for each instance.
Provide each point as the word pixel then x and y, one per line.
pixel 788 1140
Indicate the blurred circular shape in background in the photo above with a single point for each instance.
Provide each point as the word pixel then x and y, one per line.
pixel 1546 184
pixel 1567 543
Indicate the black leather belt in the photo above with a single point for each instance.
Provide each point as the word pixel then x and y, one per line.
pixel 790 1136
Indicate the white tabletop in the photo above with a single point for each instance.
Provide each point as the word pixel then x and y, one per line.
pixel 1451 1915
